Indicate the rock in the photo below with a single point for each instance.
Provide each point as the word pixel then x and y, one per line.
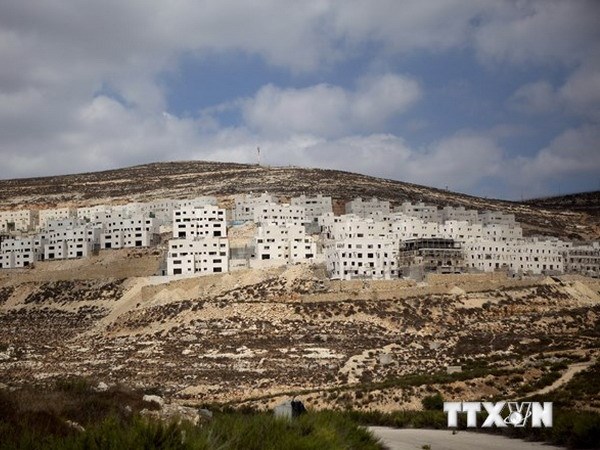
pixel 205 413
pixel 175 413
pixel 289 409
pixel 154 399
pixel 75 426
pixel 102 387
pixel 386 359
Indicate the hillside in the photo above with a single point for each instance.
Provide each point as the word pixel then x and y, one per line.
pixel 254 337
pixel 588 202
pixel 195 178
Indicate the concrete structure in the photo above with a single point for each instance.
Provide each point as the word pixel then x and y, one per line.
pixel 413 228
pixel 18 220
pixel 199 221
pixel 497 217
pixel 75 240
pixel 418 257
pixel 366 258
pixel 92 213
pixel 200 256
pixel 20 252
pixel 528 256
pixel 583 258
pixel 458 213
pixel 314 207
pixel 502 231
pixel 245 205
pixel 461 230
pixel 45 215
pixel 279 214
pixel 282 244
pixel 366 208
pixel 427 213
pixel 137 231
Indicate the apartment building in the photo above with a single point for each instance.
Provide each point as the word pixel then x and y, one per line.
pixel 528 256
pixel 279 214
pixel 583 258
pixel 362 258
pixel 46 215
pixel 366 208
pixel 136 231
pixel 192 222
pixel 314 207
pixel 245 205
pixel 198 256
pixel 18 220
pixel 282 244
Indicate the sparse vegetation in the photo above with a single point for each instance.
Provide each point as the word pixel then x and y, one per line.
pixel 72 415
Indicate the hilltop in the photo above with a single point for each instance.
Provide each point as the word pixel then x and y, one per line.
pixel 195 178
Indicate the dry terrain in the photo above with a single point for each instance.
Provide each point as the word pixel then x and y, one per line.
pixel 254 337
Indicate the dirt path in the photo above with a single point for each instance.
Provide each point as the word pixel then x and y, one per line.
pixel 410 439
pixel 571 371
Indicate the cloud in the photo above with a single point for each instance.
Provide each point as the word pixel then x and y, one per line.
pixel 80 89
pixel 538 31
pixel 539 97
pixel 327 110
pixel 579 95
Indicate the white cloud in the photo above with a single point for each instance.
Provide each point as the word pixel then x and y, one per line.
pixel 327 110
pixel 538 31
pixel 538 97
pixel 58 59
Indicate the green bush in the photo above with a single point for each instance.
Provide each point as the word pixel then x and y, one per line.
pixel 433 402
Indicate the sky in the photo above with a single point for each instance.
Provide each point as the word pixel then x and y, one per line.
pixel 491 98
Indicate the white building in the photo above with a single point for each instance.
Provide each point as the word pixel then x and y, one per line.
pixel 353 227
pixel 458 213
pixel 201 256
pixel 282 244
pixel 45 215
pixel 409 227
pixel 461 230
pixel 206 200
pixel 18 220
pixel 20 252
pixel 137 231
pixel 427 213
pixel 497 217
pixel 71 240
pixel 502 231
pixel 245 205
pixel 92 213
pixel 314 207
pixel 279 214
pixel 362 258
pixel 365 208
pixel 534 256
pixel 202 221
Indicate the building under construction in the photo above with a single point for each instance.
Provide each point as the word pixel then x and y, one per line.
pixel 417 257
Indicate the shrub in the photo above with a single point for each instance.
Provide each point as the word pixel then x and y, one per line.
pixel 433 402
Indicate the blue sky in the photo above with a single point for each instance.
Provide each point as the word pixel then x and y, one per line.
pixel 492 98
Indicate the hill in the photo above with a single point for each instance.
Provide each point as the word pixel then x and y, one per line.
pixel 256 337
pixel 195 178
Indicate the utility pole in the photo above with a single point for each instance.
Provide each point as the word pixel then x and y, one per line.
pixel 258 155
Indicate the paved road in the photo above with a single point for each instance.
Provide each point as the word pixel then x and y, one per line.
pixel 412 439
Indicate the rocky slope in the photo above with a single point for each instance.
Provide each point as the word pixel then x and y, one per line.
pixel 193 178
pixel 255 337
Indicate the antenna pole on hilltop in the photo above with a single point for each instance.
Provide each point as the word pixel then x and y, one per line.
pixel 258 154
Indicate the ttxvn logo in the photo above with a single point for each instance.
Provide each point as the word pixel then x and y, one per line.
pixel 501 414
